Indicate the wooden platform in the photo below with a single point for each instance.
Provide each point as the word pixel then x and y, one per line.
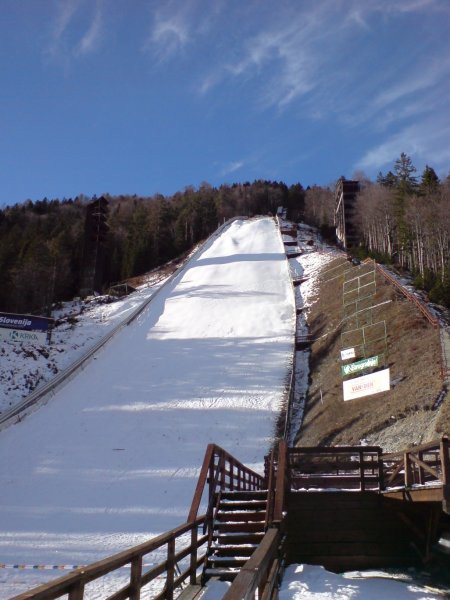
pixel 346 530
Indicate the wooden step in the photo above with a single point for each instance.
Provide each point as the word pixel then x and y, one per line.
pixel 225 527
pixel 241 516
pixel 236 550
pixel 226 561
pixel 221 573
pixel 242 505
pixel 240 538
pixel 244 495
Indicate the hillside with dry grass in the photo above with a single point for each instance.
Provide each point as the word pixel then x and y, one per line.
pixel 412 411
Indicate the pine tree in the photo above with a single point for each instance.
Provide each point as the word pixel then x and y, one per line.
pixel 404 170
pixel 389 180
pixel 429 181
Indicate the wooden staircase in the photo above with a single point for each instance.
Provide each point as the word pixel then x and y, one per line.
pixel 346 508
pixel 238 528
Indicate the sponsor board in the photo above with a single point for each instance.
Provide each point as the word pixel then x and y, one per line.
pixel 19 336
pixel 360 365
pixel 24 322
pixel 347 353
pixel 366 385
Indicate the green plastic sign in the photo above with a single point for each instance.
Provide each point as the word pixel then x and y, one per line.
pixel 360 365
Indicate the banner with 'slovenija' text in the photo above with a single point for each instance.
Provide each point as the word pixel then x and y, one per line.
pixel 24 322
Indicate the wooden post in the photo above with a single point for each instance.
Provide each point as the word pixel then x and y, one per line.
pixel 445 462
pixel 381 484
pixel 421 473
pixel 76 592
pixel 193 564
pixel 170 569
pixel 281 481
pixel 361 471
pixel 135 578
pixel 408 470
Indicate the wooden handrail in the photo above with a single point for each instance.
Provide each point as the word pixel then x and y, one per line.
pixel 418 464
pixel 357 467
pixel 215 473
pixel 428 446
pixel 254 574
pixel 74 583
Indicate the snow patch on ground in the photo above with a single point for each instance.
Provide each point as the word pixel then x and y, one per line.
pixel 305 582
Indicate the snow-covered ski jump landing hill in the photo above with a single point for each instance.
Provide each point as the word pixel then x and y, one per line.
pixel 112 458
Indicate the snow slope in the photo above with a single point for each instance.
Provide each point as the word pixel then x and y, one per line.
pixel 112 459
pixel 80 325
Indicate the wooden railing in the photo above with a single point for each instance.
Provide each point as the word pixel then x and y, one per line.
pixel 261 572
pixel 419 465
pixel 222 472
pixel 74 584
pixel 340 467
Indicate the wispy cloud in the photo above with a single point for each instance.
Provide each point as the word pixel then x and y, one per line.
pixel 176 24
pixel 423 78
pixel 232 167
pixel 69 35
pixel 92 38
pixel 307 50
pixel 426 141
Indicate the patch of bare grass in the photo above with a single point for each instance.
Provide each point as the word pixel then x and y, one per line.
pixel 404 415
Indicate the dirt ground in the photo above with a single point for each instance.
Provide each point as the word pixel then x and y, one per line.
pixel 414 410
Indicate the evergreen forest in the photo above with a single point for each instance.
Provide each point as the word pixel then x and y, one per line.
pixel 53 250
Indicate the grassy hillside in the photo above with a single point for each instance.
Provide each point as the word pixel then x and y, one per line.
pixel 406 414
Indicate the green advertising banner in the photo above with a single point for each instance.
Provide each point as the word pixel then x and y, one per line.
pixel 360 365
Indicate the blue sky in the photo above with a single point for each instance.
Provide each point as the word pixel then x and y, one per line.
pixel 149 97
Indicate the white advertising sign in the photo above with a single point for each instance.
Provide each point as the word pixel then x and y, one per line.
pixel 367 385
pixel 347 353
pixel 20 336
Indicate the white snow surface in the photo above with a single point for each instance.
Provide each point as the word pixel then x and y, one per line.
pixel 310 582
pixel 80 325
pixel 112 459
